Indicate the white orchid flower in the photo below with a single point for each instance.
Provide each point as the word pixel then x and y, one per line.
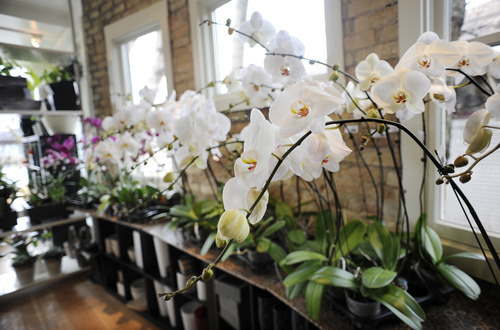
pixel 402 92
pixel 285 69
pixel 475 58
pixel 233 79
pixel 233 225
pixel 160 120
pixel 128 144
pixel 259 29
pixel 444 95
pixel 237 196
pixel 107 151
pixel 494 67
pixel 371 70
pixel 493 105
pixel 257 84
pixel 252 168
pixel 476 135
pixel 108 124
pixel 430 55
pixel 185 155
pixel 302 106
pixel 354 96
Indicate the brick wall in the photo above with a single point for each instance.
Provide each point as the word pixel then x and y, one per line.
pixel 99 13
pixel 370 27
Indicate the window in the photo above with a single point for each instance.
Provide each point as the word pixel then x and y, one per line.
pixel 472 20
pixel 138 54
pixel 216 52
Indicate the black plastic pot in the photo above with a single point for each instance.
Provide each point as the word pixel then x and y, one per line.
pixel 48 212
pixel 8 221
pixel 65 96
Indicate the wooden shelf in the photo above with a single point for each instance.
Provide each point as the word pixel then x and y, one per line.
pixel 43 112
pixel 10 285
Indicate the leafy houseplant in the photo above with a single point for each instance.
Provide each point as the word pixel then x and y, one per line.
pixel 53 259
pixel 8 192
pixel 14 92
pixel 23 261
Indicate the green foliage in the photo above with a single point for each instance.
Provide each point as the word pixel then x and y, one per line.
pixel 8 192
pixel 55 252
pixel 57 74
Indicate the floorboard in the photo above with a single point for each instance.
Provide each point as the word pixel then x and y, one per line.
pixel 73 303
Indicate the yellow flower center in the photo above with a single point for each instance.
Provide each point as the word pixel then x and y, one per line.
pixel 374 77
pixel 251 162
pixel 299 108
pixel 424 62
pixel 285 70
pixel 326 160
pixel 400 97
pixel 465 61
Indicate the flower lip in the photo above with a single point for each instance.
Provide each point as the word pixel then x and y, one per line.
pixel 400 97
pixel 303 109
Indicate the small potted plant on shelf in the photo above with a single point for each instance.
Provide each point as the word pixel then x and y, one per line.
pixel 23 261
pixel 53 259
pixel 8 192
pixel 14 92
pixel 61 89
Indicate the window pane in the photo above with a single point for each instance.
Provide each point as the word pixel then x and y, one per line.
pixel 144 65
pixel 303 20
pixel 475 18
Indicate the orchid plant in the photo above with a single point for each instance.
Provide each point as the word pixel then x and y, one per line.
pixel 302 138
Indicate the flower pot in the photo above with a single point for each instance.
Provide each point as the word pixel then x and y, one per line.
pixel 162 256
pixel 65 95
pixel 361 308
pixel 48 211
pixel 9 221
pixel 260 263
pixel 53 266
pixel 25 274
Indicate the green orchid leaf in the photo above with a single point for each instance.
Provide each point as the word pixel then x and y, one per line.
pixel 401 304
pixel 277 253
pixel 320 229
pixel 273 228
pixel 385 244
pixel 208 243
pixel 431 243
pixel 349 237
pixel 303 273
pixel 469 255
pixel 261 225
pixel 293 291
pixel 263 245
pixel 297 236
pixel 460 280
pixel 314 295
pixel 376 277
pixel 183 211
pixel 300 256
pixel 282 209
pixel 229 252
pixel 335 276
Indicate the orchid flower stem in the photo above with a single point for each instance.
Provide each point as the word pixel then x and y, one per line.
pixel 234 30
pixel 350 96
pixel 461 85
pixel 472 81
pixel 476 161
pixel 144 160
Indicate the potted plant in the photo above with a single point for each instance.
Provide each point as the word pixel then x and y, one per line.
pixel 8 192
pixel 14 92
pixel 61 89
pixel 53 259
pixel 23 261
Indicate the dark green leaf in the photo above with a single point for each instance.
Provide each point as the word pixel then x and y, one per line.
pixel 293 291
pixel 314 295
pixel 273 228
pixel 263 245
pixel 469 255
pixel 349 237
pixel 460 280
pixel 283 209
pixel 431 243
pixel 302 273
pixel 335 276
pixel 208 243
pixel 376 277
pixel 402 305
pixel 385 244
pixel 300 256
pixel 297 236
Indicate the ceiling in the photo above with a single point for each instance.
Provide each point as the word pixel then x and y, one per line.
pixel 20 20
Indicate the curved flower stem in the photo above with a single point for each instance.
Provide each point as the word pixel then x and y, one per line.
pixel 234 30
pixel 476 161
pixel 472 81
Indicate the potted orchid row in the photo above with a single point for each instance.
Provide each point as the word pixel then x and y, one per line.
pixel 301 137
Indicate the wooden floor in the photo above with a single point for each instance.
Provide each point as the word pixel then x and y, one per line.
pixel 74 303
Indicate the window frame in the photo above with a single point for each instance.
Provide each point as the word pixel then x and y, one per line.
pixel 147 20
pixel 421 16
pixel 203 37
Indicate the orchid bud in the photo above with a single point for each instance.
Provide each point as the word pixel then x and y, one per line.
pixel 461 161
pixel 381 128
pixel 220 242
pixel 228 22
pixel 334 76
pixel 169 177
pixel 230 31
pixel 207 274
pixel 233 225
pixel 464 178
pixel 372 113
pixel 439 181
pixel 480 142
